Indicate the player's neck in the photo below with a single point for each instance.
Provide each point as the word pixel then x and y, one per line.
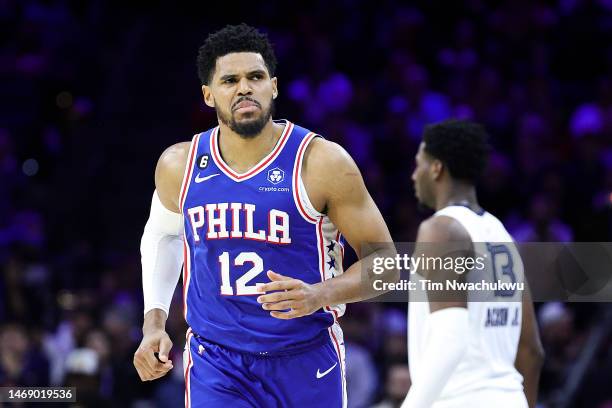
pixel 240 153
pixel 457 194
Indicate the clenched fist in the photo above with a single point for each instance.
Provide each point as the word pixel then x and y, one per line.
pixel 147 364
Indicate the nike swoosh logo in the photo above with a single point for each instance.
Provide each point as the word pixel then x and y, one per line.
pixel 199 179
pixel 324 373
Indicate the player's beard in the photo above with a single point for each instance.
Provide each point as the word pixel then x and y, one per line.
pixel 250 128
pixel 424 208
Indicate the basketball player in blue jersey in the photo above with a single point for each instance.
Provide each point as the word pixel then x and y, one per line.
pixel 465 351
pixel 253 208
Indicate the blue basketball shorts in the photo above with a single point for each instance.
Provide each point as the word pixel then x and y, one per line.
pixel 309 376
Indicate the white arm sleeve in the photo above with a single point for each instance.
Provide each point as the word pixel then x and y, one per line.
pixel 446 343
pixel 161 259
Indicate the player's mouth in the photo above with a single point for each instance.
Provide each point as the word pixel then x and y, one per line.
pixel 245 106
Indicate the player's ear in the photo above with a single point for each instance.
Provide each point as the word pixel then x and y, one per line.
pixel 274 88
pixel 436 169
pixel 209 100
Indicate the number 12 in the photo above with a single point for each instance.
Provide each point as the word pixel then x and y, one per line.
pixel 241 283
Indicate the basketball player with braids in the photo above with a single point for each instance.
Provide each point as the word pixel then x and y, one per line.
pixel 257 210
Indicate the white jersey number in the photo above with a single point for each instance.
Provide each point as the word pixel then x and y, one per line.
pixel 241 283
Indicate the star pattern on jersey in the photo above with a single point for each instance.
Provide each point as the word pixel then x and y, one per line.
pixel 332 255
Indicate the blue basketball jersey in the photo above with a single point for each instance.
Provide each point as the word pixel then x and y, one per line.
pixel 239 226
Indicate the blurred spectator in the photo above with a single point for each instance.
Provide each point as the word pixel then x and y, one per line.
pixel 394 349
pixel 361 376
pixel 70 333
pixel 542 224
pixel 560 343
pixel 98 341
pixel 21 363
pixel 82 372
pixel 396 386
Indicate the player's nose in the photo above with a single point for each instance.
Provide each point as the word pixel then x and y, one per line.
pixel 244 88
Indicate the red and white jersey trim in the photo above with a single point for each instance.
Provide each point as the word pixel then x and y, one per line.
pixel 326 231
pixel 337 337
pixel 186 250
pixel 302 202
pixel 188 170
pixel 186 273
pixel 187 364
pixel 238 177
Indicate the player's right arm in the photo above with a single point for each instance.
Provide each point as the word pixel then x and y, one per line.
pixel 161 262
pixel 530 354
pixel 448 322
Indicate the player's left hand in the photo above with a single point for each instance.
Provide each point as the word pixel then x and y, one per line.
pixel 299 297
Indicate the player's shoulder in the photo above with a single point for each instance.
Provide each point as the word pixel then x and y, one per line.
pixel 178 152
pixel 326 156
pixel 174 159
pixel 169 173
pixel 329 173
pixel 442 228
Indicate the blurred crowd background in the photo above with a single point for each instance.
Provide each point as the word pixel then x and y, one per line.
pixel 92 92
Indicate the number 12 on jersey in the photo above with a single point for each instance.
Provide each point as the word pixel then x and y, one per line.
pixel 241 283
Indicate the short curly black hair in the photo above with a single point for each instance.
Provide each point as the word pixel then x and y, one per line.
pixel 461 145
pixel 233 38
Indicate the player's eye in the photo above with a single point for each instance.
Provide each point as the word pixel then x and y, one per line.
pixel 229 81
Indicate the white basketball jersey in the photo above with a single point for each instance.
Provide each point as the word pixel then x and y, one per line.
pixel 495 326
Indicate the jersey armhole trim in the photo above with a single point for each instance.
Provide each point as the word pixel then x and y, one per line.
pixel 450 212
pixel 188 170
pixel 302 202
